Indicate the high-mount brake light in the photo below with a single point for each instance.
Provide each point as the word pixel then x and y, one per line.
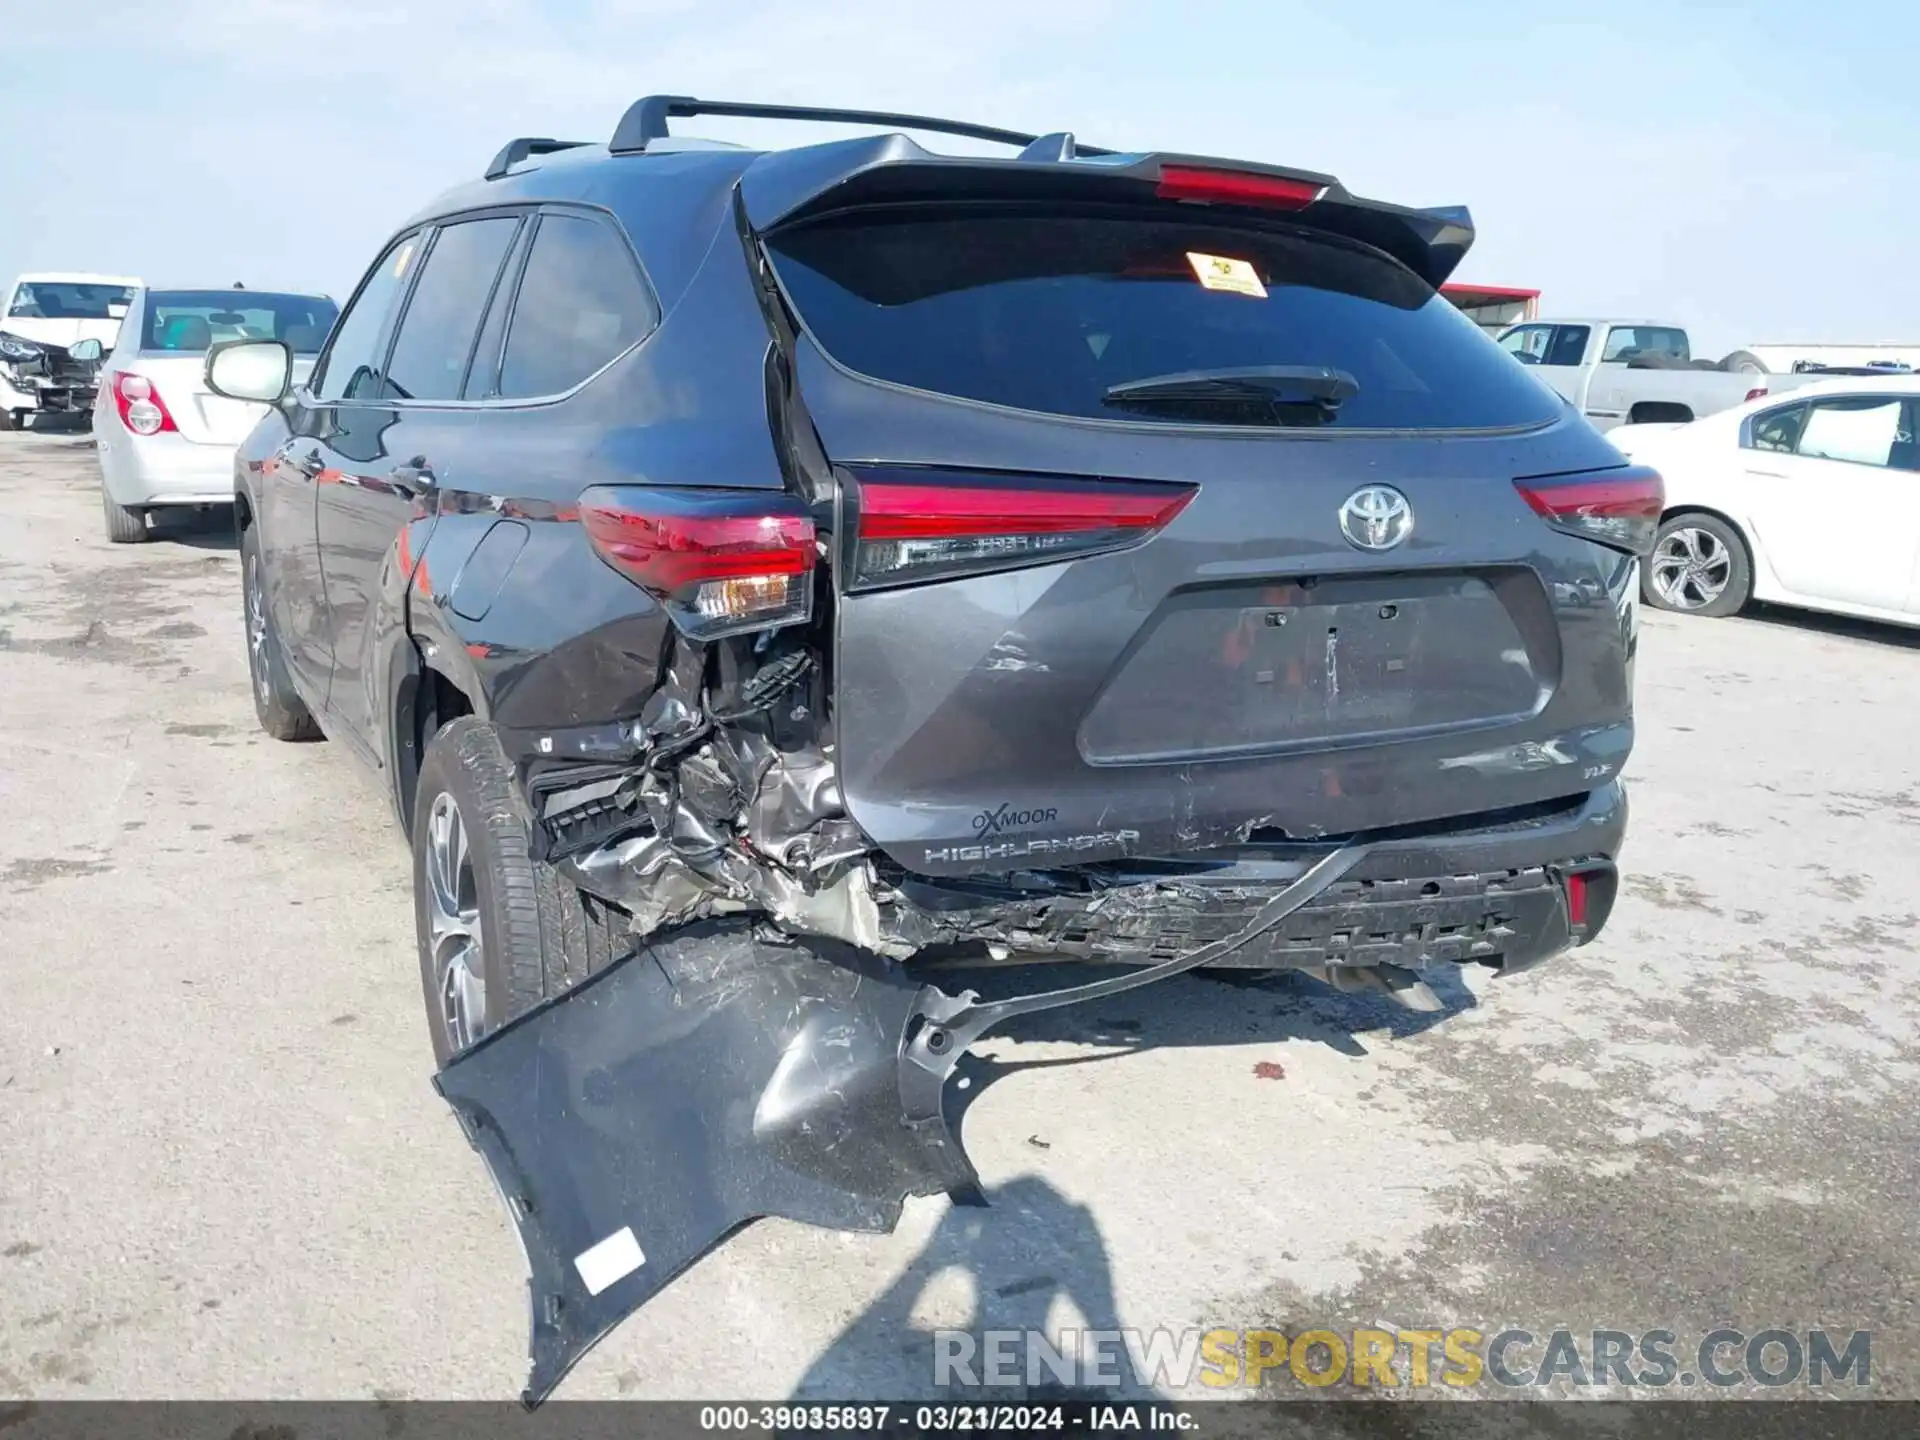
pixel 720 562
pixel 141 409
pixel 1620 508
pixel 1237 187
pixel 919 525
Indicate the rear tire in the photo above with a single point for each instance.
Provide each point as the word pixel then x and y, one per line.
pixel 1700 565
pixel 499 932
pixel 125 524
pixel 281 711
pixel 9 420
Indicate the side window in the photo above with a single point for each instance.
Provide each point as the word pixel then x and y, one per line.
pixel 1569 345
pixel 1776 430
pixel 581 302
pixel 1633 342
pixel 1527 344
pixel 1863 429
pixel 350 370
pixel 1906 445
pixel 483 375
pixel 437 331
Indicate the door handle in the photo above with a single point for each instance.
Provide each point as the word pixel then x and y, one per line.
pixel 414 477
pixel 306 465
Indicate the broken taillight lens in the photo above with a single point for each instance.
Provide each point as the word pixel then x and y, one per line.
pixel 919 525
pixel 719 561
pixel 1619 508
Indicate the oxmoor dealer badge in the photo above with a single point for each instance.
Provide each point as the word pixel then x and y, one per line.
pixel 1006 819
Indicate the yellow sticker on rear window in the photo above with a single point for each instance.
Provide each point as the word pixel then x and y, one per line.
pixel 1221 272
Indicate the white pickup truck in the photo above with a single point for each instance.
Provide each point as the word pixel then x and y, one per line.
pixel 1637 372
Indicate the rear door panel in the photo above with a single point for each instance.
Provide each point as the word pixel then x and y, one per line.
pixel 1818 547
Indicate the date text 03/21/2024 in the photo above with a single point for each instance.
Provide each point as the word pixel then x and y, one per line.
pixel 932 1419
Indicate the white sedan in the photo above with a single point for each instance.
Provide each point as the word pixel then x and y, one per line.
pixel 1808 498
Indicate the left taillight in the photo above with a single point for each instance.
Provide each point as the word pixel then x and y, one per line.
pixel 916 525
pixel 720 562
pixel 1618 508
pixel 141 409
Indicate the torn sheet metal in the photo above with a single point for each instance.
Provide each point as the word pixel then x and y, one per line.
pixel 721 1074
pixel 711 1079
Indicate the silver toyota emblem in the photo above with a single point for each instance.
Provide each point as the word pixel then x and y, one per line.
pixel 1376 517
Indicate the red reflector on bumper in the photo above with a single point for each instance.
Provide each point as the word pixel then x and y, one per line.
pixel 1576 900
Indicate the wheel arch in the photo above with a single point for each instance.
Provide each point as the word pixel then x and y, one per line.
pixel 425 699
pixel 1660 412
pixel 1675 512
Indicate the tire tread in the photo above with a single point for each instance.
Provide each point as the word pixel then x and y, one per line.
pixel 544 935
pixel 125 526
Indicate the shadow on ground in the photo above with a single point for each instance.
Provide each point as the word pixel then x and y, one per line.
pixel 1209 1008
pixel 1005 1266
pixel 209 528
pixel 1872 632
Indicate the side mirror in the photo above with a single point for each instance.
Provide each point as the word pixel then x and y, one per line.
pixel 86 351
pixel 250 369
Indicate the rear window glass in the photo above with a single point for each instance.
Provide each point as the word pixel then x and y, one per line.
pixel 1051 312
pixel 1627 343
pixel 63 300
pixel 189 321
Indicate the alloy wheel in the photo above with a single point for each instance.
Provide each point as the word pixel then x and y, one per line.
pixel 454 925
pixel 1690 568
pixel 257 633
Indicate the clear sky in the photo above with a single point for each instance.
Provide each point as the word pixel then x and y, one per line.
pixel 1750 170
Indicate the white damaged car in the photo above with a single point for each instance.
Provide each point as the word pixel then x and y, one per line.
pixel 44 317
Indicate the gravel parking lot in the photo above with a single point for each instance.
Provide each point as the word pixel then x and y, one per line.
pixel 223 1171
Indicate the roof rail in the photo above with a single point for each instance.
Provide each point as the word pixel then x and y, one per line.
pixel 514 151
pixel 646 120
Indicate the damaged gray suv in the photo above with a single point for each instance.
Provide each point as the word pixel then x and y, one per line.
pixel 755 576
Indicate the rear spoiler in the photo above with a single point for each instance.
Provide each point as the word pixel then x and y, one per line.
pixel 790 187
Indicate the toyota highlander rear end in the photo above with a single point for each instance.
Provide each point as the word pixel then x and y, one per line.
pixel 1148 568
pixel 1145 541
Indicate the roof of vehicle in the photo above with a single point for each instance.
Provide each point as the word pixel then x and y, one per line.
pixel 232 290
pixel 786 185
pixel 1722 421
pixel 1641 323
pixel 1890 384
pixel 73 277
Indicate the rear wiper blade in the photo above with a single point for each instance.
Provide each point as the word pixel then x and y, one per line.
pixel 1319 383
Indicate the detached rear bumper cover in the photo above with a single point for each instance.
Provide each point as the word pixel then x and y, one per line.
pixel 716 1077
